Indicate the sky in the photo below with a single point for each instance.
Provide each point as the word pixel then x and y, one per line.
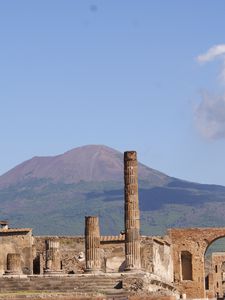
pixel 130 74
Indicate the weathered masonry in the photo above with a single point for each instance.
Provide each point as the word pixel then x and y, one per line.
pixel 189 247
pixel 216 277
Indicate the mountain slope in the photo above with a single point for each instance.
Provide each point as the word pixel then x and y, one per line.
pixel 87 163
pixel 53 194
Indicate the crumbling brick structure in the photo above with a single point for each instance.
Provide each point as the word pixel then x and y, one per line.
pixel 216 277
pixel 189 247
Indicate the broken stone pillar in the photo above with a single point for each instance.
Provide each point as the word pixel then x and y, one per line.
pixel 53 259
pixel 5 225
pixel 132 213
pixel 92 244
pixel 13 264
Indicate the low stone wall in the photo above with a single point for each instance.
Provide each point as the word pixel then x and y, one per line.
pixel 155 255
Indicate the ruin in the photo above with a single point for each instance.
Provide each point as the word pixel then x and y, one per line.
pixel 169 267
pixel 53 259
pixel 192 243
pixel 216 277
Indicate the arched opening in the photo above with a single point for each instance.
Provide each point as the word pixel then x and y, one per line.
pixel 215 269
pixel 186 265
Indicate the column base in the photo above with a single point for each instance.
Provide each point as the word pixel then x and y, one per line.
pixel 91 271
pixel 133 270
pixel 14 273
pixel 51 272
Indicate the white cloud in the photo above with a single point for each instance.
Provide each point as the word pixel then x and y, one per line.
pixel 210 116
pixel 210 113
pixel 212 53
pixel 222 73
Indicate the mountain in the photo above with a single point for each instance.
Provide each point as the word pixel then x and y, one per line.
pixel 87 163
pixel 53 194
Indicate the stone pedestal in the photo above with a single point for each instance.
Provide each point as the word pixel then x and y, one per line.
pixel 92 245
pixel 53 259
pixel 132 213
pixel 13 264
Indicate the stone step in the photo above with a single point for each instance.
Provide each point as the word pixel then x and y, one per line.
pixel 4 282
pixel 65 279
pixel 87 284
pixel 54 287
pixel 47 287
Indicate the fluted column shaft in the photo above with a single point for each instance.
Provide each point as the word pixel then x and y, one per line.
pixel 132 213
pixel 92 244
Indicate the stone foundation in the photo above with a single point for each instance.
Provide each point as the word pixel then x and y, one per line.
pixel 109 285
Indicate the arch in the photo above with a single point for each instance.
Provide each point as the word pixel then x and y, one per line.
pixel 194 241
pixel 212 240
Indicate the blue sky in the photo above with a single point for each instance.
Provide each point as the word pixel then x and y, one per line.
pixel 142 75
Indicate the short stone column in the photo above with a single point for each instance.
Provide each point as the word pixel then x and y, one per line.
pixel 13 264
pixel 53 258
pixel 92 245
pixel 131 212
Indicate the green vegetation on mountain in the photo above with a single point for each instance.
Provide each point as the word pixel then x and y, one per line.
pixel 41 195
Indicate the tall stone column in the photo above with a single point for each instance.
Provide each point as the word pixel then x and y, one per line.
pixel 13 264
pixel 53 259
pixel 132 213
pixel 92 244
